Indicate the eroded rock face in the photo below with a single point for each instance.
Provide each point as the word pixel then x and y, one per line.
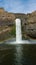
pixel 31 25
pixel 31 30
pixel 6 18
pixel 28 22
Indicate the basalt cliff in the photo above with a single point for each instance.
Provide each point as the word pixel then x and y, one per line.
pixel 7 24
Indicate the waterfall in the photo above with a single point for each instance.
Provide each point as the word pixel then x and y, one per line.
pixel 18 30
pixel 19 35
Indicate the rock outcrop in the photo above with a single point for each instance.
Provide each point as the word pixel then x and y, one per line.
pixel 31 25
pixel 28 22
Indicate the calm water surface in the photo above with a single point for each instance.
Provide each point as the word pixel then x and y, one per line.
pixel 18 54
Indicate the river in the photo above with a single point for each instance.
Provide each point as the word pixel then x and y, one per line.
pixel 18 54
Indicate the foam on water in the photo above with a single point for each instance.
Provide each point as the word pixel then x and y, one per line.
pixel 21 42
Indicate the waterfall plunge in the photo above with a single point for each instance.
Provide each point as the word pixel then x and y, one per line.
pixel 18 31
pixel 19 35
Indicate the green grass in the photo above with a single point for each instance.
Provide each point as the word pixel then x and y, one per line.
pixel 13 31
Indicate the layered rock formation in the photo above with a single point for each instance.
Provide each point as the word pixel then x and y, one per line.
pixel 6 24
pixel 28 22
pixel 6 18
pixel 31 25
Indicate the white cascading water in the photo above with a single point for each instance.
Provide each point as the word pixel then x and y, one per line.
pixel 18 31
pixel 19 35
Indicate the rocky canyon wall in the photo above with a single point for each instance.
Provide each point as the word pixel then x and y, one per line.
pixel 28 22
